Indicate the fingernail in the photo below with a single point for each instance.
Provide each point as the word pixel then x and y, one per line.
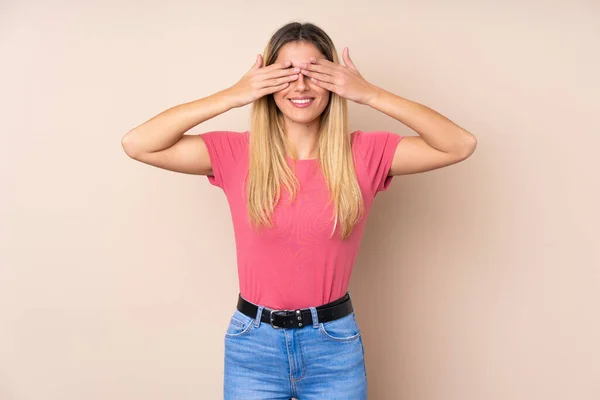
pixel 296 69
pixel 303 65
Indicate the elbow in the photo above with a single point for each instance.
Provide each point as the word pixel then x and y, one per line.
pixel 128 145
pixel 469 144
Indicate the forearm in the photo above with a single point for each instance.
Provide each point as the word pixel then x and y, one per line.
pixel 165 129
pixel 435 129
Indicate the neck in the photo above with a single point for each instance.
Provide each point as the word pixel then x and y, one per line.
pixel 303 138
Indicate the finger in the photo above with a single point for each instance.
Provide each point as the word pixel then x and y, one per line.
pixel 279 81
pixel 273 89
pixel 329 86
pixel 323 69
pixel 282 72
pixel 346 57
pixel 323 61
pixel 256 66
pixel 319 76
pixel 276 66
pixel 257 63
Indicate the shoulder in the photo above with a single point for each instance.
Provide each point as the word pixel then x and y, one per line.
pixel 229 136
pixel 226 142
pixel 226 150
pixel 374 152
pixel 374 143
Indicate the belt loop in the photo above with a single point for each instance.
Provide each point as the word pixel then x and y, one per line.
pixel 315 317
pixel 257 319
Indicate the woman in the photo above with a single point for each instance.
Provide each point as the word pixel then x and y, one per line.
pixel 299 186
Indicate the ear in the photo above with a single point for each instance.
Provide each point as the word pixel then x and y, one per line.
pixel 347 60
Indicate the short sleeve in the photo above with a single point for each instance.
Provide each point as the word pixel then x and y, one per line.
pixel 225 150
pixel 377 150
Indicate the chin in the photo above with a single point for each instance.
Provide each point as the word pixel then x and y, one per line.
pixel 302 119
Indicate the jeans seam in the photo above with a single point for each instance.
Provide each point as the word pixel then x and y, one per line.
pixel 303 364
pixel 287 349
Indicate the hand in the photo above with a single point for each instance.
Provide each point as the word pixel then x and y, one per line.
pixel 344 80
pixel 259 81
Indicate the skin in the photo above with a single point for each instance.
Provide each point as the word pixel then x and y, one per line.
pixel 302 124
pixel 300 70
pixel 440 142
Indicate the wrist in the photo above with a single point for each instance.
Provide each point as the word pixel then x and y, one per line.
pixel 374 95
pixel 228 98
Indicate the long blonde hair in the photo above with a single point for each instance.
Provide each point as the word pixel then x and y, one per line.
pixel 269 169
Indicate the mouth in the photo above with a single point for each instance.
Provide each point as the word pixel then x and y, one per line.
pixel 302 102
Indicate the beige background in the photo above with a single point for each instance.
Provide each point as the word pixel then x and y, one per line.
pixel 476 282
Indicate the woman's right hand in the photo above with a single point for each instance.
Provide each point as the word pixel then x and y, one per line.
pixel 259 81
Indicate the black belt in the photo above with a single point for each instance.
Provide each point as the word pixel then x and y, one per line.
pixel 298 318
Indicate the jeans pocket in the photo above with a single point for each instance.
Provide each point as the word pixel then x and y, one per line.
pixel 343 329
pixel 239 324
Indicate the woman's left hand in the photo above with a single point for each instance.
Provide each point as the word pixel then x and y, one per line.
pixel 345 81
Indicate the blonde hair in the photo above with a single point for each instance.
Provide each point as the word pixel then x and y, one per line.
pixel 268 168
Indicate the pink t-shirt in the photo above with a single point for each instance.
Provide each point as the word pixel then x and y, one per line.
pixel 295 264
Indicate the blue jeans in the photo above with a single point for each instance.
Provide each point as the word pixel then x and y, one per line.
pixel 320 361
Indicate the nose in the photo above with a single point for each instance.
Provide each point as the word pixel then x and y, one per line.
pixel 301 85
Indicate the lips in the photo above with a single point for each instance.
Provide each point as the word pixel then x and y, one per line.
pixel 302 102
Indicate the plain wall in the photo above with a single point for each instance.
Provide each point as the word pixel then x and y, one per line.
pixel 479 281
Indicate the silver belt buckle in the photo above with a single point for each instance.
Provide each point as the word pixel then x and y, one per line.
pixel 271 317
